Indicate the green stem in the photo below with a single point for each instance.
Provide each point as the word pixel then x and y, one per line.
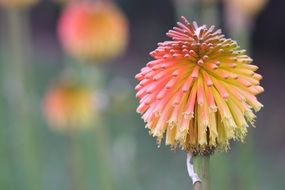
pixel 201 167
pixel 20 106
pixel 209 13
pixel 87 74
pixel 75 162
pixel 202 12
pixel 189 9
pixel 103 156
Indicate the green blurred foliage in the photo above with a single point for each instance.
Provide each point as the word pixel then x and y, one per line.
pixel 117 154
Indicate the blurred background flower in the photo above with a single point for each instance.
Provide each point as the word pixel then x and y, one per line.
pixel 249 7
pixel 93 30
pixel 17 3
pixel 69 106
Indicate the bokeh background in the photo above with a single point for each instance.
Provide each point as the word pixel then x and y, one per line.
pixel 115 151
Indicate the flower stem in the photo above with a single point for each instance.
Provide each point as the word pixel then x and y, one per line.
pixel 75 162
pixel 201 167
pixel 19 95
pixel 103 156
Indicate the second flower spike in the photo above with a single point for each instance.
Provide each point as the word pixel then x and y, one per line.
pixel 93 30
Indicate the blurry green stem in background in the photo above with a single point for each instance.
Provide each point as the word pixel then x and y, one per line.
pixel 92 75
pixel 202 11
pixel 19 94
pixel 96 75
pixel 240 25
pixel 103 157
pixel 75 162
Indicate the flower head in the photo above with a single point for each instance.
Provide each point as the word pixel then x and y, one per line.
pixel 69 106
pixel 93 30
pixel 17 3
pixel 200 90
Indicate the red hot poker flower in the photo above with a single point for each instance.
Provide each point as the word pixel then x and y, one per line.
pixel 200 90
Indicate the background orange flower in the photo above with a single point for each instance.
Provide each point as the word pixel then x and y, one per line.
pixel 17 3
pixel 69 106
pixel 93 30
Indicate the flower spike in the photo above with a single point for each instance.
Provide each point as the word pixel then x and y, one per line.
pixel 199 91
